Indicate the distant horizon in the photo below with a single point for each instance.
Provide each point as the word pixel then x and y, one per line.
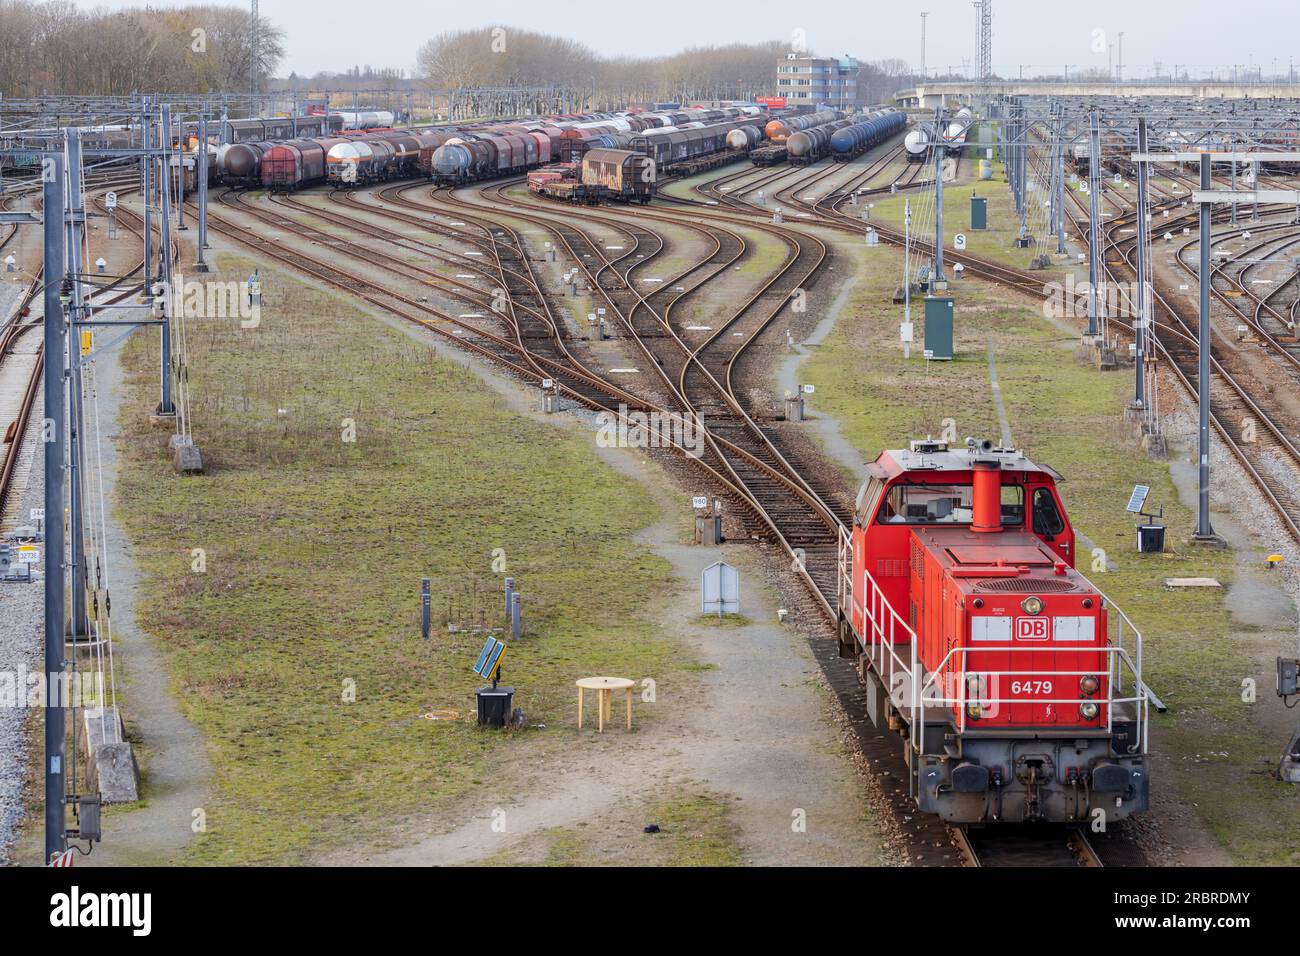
pixel 1029 36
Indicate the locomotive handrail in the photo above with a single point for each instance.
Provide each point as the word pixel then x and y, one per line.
pixel 874 603
pixel 1117 656
pixel 845 576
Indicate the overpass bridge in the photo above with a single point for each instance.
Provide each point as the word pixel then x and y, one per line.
pixel 957 93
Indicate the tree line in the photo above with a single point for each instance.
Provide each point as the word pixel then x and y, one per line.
pixel 498 56
pixel 54 47
pixel 508 57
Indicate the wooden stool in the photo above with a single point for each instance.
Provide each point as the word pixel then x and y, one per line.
pixel 606 686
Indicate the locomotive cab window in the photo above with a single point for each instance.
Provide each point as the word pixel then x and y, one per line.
pixel 1047 517
pixel 945 504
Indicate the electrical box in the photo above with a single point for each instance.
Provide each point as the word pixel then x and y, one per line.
pixel 494 705
pixel 1288 676
pixel 88 827
pixel 938 327
pixel 979 212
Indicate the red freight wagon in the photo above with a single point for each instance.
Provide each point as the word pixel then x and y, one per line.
pixel 290 165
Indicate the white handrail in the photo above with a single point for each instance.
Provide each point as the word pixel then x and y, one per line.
pixel 882 623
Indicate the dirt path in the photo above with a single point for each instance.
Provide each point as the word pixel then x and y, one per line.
pixel 175 769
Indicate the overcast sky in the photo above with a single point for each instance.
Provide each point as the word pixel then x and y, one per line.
pixel 1041 35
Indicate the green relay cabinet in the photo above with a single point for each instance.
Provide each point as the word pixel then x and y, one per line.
pixel 938 326
pixel 979 212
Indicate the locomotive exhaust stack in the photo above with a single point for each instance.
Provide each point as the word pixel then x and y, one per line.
pixel 987 497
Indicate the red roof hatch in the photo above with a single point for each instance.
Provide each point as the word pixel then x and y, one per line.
pixel 989 554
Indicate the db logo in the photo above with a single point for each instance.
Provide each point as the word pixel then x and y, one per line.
pixel 1032 629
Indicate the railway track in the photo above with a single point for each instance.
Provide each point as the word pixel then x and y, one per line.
pixel 22 362
pixel 701 375
pixel 695 376
pixel 1025 845
pixel 1231 406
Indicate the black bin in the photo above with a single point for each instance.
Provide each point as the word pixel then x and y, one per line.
pixel 494 705
pixel 1151 538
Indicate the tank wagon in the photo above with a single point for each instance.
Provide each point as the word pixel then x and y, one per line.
pixel 240 163
pixel 779 130
pixel 917 143
pixel 953 132
pixel 745 137
pixel 857 138
pixel 364 119
pixel 809 145
pixel 957 131
pixel 1015 684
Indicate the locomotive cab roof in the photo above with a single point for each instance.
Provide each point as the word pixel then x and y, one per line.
pixel 929 462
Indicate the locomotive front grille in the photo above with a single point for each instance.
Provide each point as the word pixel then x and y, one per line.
pixel 1018 585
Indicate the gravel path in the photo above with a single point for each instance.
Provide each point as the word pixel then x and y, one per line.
pixel 20 640
pixel 20 631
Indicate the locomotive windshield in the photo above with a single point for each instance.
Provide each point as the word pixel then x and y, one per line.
pixel 945 504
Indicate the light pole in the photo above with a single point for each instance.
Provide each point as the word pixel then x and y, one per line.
pixel 924 14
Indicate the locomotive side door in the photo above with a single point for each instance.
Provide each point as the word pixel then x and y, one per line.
pixel 1049 523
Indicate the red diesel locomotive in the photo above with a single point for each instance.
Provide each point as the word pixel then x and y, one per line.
pixel 1016 685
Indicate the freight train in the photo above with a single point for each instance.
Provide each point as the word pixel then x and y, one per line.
pixel 809 145
pixel 779 130
pixel 1015 683
pixel 453 156
pixel 861 136
pixel 954 134
pixel 668 137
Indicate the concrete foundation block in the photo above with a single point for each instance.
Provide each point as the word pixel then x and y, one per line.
pixel 110 762
pixel 1154 446
pixel 1289 769
pixel 186 457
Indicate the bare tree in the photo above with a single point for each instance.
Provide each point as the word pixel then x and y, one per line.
pixel 57 48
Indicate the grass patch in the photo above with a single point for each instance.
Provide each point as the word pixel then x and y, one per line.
pixel 723 620
pixel 997 242
pixel 315 547
pixel 697 829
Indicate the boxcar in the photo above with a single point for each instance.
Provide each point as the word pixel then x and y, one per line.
pixel 293 164
pixel 619 174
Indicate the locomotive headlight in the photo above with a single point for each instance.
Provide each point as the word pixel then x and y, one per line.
pixel 1089 685
pixel 974 689
pixel 1032 605
pixel 1088 710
